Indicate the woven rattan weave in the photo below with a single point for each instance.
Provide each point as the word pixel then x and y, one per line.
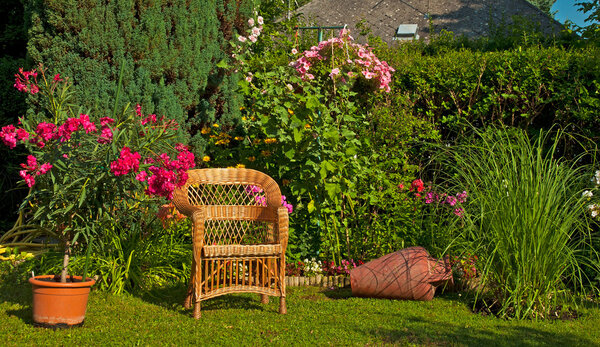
pixel 240 233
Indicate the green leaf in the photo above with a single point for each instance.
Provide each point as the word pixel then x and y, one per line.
pixel 312 103
pixel 297 135
pixel 223 64
pixel 290 153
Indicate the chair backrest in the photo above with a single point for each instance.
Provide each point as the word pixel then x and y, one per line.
pixel 240 205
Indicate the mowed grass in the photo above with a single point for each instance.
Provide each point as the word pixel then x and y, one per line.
pixel 316 316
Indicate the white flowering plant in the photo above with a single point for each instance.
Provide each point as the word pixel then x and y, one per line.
pixel 593 206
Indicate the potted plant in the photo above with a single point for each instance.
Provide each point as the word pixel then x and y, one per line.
pixel 78 168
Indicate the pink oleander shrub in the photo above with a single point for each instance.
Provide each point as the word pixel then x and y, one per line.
pixel 79 167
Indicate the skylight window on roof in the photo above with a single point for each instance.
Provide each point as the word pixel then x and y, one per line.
pixel 407 32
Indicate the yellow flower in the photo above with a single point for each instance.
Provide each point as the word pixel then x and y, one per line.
pixel 256 141
pixel 268 141
pixel 244 118
pixel 216 125
pixel 290 111
pixel 222 142
pixel 242 108
pixel 307 126
pixel 206 158
pixel 238 138
pixel 251 158
pixel 285 182
pixel 205 130
pixel 265 153
pixel 240 166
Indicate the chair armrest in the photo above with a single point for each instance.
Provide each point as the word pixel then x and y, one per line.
pixel 198 218
pixel 180 200
pixel 283 221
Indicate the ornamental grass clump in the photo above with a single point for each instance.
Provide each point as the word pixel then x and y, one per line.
pixel 80 168
pixel 525 219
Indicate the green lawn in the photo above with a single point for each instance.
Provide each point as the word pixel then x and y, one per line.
pixel 315 317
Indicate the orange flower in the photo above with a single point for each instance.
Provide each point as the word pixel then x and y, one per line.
pixel 168 214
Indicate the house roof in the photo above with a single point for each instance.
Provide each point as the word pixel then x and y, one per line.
pixel 469 17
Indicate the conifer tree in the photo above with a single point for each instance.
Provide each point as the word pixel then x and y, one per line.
pixel 168 51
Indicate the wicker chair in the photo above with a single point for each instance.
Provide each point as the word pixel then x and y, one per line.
pixel 239 231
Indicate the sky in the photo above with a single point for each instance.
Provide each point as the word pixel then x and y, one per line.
pixel 567 10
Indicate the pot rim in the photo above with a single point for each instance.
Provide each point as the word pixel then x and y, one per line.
pixel 38 282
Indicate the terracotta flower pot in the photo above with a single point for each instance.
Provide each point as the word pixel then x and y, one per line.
pixel 59 305
pixel 410 274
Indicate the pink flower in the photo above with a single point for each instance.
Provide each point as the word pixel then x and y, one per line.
pixel 142 176
pixel 22 82
pixel 27 177
pixel 45 168
pixel 461 197
pixel 88 126
pixel 260 20
pixel 106 135
pixel 451 200
pixel 242 38
pixel 368 74
pixel 22 134
pixel 31 164
pixel 127 163
pixel 334 72
pixel 9 136
pixel 255 31
pixel 70 126
pixel 252 38
pixel 106 120
pixel 429 197
pixel 46 131
pixel 138 110
pixel 459 211
pixel 294 51
pixel 286 204
pixel 251 22
pixel 57 78
pixel 162 182
pixel 249 78
pixel 150 119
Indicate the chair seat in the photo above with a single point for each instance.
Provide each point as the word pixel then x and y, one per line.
pixel 242 250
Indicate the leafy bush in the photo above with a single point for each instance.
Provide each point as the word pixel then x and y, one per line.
pixel 525 219
pixel 533 87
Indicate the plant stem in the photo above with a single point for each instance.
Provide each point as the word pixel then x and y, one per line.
pixel 63 274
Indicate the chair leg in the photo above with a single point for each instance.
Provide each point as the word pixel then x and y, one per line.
pixel 187 302
pixel 264 299
pixel 282 307
pixel 197 313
